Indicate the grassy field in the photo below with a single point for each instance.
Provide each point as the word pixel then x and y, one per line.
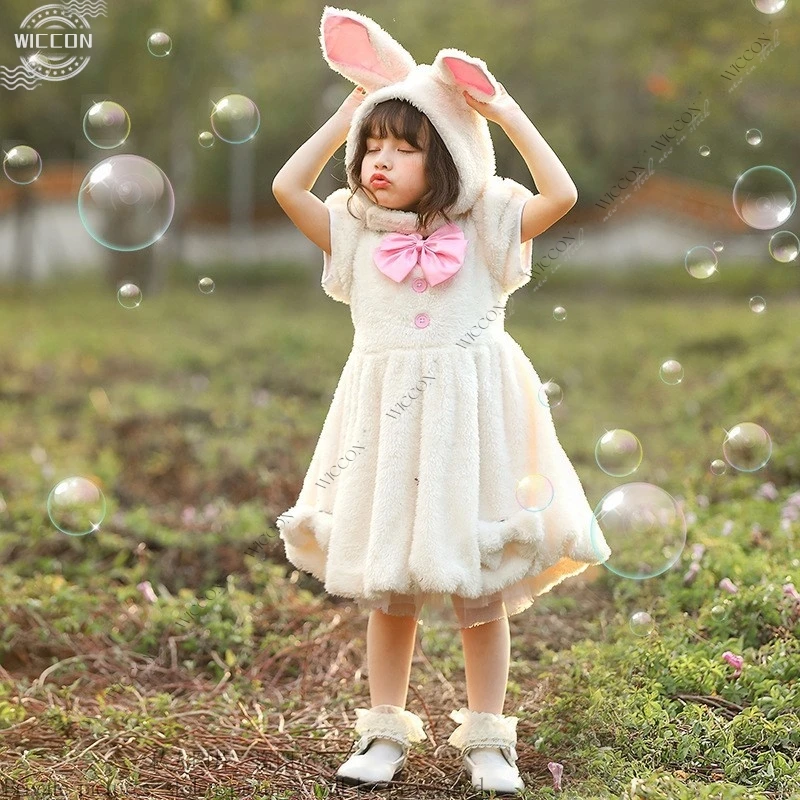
pixel 197 416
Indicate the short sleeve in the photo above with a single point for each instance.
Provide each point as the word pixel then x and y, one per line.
pixel 337 268
pixel 499 211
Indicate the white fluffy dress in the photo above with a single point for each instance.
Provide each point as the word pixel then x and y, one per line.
pixel 410 500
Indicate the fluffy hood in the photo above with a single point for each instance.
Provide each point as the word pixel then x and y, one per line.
pixel 360 50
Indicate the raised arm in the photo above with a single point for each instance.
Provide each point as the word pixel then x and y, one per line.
pixel 292 185
pixel 557 192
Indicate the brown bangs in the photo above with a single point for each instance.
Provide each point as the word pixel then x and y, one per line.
pixel 398 119
pixel 403 120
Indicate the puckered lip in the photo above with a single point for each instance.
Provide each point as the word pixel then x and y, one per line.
pixel 378 176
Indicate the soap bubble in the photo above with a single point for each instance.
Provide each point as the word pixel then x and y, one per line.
pixel 22 164
pixel 559 313
pixel 644 528
pixel 758 304
pixel 701 262
pixel 705 151
pixel 206 139
pixel 550 394
pixel 718 246
pixel 642 623
pixel 718 467
pixel 618 453
pixel 159 44
pixel 747 447
pixel 235 119
pixel 106 124
pixel 76 506
pixel 129 295
pixel 784 246
pixel 753 137
pixel 126 202
pixel 671 372
pixel 769 6
pixel 764 197
pixel 534 492
pixel 718 611
pixel 205 285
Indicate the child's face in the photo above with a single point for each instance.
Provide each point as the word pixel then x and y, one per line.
pixel 402 164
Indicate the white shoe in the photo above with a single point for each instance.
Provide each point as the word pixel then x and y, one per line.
pixel 387 732
pixel 488 750
pixel 493 769
pixel 374 764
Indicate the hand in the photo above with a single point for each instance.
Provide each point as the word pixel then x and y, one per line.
pixel 498 110
pixel 351 103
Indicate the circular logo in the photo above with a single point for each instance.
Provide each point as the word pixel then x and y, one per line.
pixel 55 41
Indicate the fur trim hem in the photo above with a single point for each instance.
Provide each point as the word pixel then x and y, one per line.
pixel 511 550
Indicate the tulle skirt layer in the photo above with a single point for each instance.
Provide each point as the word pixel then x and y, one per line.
pixel 451 610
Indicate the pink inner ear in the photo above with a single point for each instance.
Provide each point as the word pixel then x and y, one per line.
pixel 467 74
pixel 347 43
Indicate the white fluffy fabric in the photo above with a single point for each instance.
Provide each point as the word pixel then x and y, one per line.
pixel 412 486
pixel 372 58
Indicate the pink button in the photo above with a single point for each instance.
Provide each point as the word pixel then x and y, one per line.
pixel 422 320
pixel 419 285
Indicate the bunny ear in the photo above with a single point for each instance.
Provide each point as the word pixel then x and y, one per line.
pixel 359 49
pixel 466 72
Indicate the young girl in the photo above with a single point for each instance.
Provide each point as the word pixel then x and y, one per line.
pixel 438 474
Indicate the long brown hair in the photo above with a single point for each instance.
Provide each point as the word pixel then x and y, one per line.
pixel 405 121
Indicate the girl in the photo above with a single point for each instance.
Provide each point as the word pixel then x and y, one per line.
pixel 425 481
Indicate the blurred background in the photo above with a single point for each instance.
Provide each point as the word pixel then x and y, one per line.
pixel 209 384
pixel 183 415
pixel 604 95
pixel 201 393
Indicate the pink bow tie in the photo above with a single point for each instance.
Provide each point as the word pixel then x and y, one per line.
pixel 440 255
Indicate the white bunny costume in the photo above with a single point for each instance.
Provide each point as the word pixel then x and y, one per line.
pixel 411 494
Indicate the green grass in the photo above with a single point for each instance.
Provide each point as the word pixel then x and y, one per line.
pixel 214 403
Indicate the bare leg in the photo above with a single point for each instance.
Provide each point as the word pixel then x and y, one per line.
pixel 487 653
pixel 390 647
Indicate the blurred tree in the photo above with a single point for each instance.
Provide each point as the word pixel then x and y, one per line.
pixel 600 87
